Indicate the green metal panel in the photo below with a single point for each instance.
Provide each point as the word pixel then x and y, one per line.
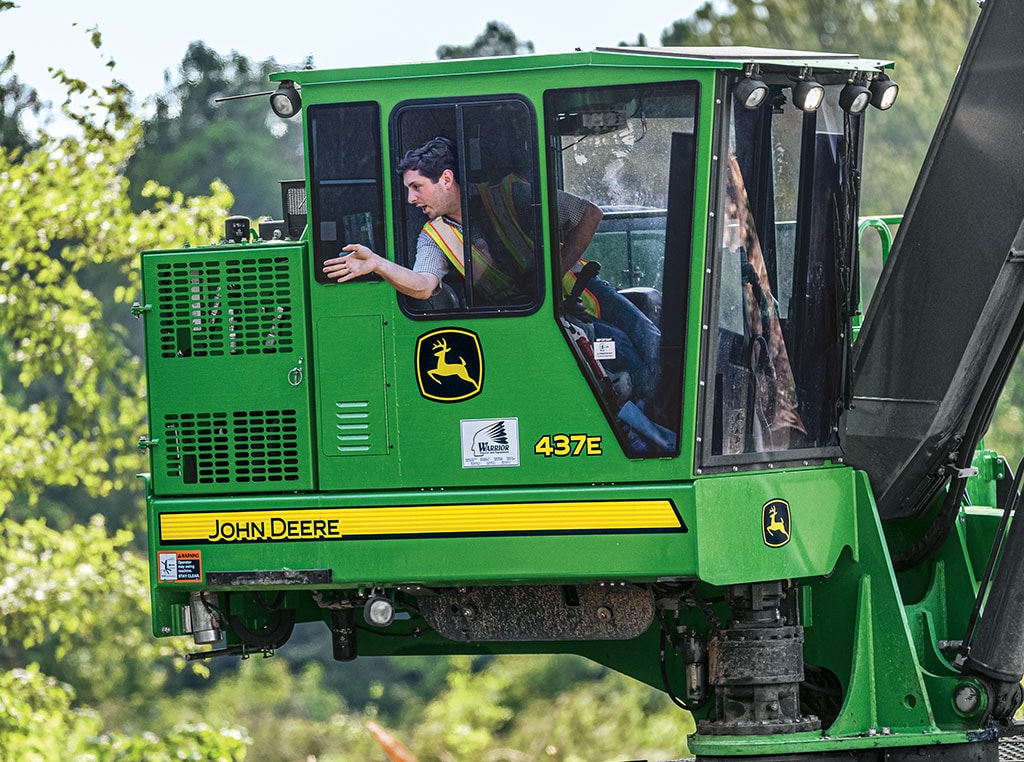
pixel 445 537
pixel 731 524
pixel 227 361
pixel 350 386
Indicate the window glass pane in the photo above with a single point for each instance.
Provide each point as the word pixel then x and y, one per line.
pixel 786 131
pixel 347 204
pixel 754 383
pixel 629 150
pixel 485 249
pixel 780 335
pixel 818 322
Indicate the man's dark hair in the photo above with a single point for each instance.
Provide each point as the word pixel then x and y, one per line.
pixel 431 159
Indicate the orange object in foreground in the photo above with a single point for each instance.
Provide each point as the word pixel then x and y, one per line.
pixel 390 744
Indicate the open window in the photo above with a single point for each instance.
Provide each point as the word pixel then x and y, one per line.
pixel 630 150
pixel 490 260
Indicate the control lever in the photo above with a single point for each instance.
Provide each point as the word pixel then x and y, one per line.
pixel 572 306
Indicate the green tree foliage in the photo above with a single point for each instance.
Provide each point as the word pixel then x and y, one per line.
pixel 192 141
pixel 39 721
pixel 552 708
pixel 497 39
pixel 1006 432
pixel 76 599
pixel 17 100
pixel 67 214
pixel 284 714
pixel 494 709
pixel 640 42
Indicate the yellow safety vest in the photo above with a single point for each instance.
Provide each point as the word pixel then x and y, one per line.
pixel 491 281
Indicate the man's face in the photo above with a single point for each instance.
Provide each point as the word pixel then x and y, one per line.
pixel 434 198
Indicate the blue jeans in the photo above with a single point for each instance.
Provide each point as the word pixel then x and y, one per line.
pixel 641 354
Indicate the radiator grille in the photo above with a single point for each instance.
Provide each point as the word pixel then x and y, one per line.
pixel 238 306
pixel 240 447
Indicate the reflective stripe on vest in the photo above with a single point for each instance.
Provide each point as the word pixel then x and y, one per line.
pixel 486 276
pixel 501 212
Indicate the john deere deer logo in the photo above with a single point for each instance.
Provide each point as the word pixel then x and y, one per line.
pixel 775 523
pixel 445 368
pixel 449 365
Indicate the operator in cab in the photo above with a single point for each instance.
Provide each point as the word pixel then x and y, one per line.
pixel 500 248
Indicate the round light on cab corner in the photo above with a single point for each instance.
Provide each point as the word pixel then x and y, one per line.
pixel 883 93
pixel 285 100
pixel 854 98
pixel 751 92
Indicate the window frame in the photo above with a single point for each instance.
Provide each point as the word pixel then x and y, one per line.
pixel 677 257
pixel 706 460
pixel 317 185
pixel 405 239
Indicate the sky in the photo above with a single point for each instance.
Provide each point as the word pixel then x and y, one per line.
pixel 146 39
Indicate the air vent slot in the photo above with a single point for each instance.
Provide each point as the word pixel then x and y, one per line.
pixel 242 447
pixel 238 306
pixel 353 427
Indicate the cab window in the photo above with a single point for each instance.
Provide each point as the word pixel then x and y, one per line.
pixel 489 260
pixel 781 281
pixel 347 199
pixel 630 151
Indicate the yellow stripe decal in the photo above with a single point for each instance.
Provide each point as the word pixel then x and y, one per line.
pixel 418 521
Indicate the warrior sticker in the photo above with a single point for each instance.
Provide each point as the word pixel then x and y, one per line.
pixel 775 523
pixel 449 365
pixel 488 443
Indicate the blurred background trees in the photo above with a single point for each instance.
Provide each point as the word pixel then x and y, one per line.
pixel 497 39
pixel 192 139
pixel 80 673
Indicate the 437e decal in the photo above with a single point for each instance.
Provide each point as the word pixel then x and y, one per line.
pixel 567 445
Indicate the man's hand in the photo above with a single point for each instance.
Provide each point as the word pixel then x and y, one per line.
pixel 359 261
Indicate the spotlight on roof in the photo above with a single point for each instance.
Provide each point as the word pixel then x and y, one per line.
pixel 750 92
pixel 808 94
pixel 854 97
pixel 883 92
pixel 285 100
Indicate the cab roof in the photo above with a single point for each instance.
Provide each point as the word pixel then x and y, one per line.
pixel 728 57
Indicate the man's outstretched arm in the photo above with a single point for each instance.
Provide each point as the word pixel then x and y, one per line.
pixel 362 261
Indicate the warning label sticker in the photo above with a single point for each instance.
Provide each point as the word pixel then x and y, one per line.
pixel 180 565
